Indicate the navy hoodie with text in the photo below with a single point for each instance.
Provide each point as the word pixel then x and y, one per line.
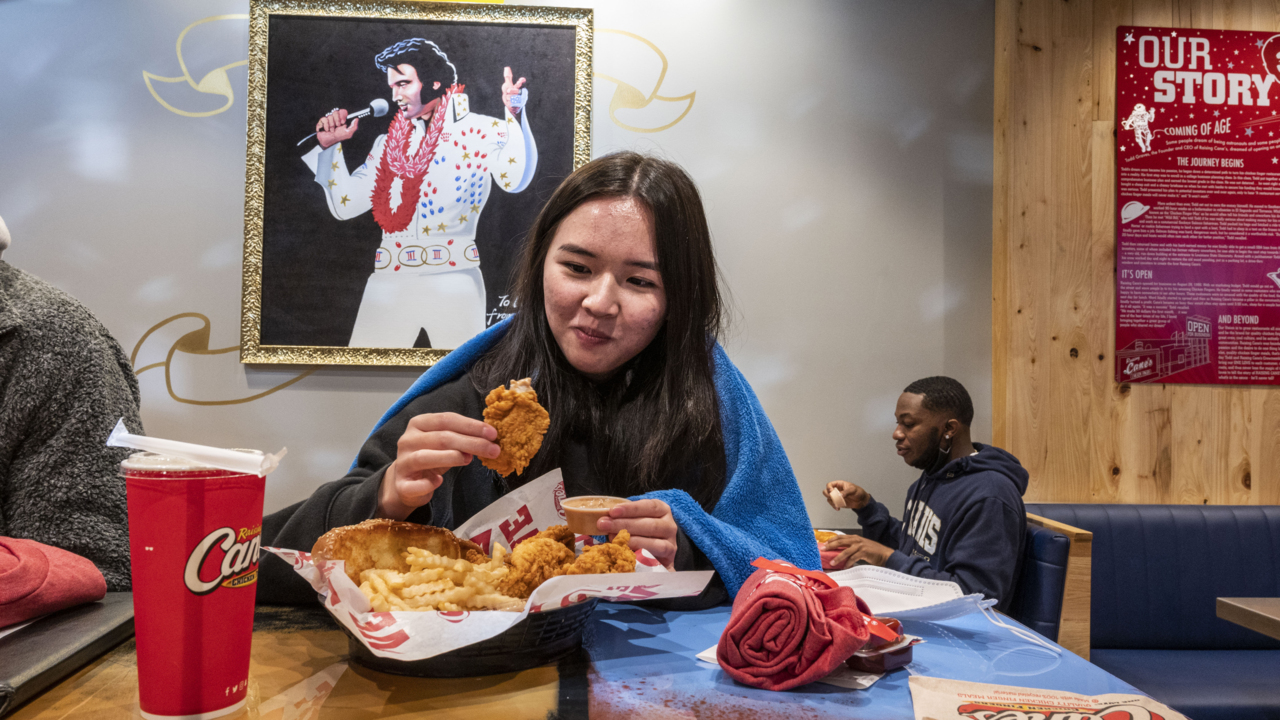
pixel 964 523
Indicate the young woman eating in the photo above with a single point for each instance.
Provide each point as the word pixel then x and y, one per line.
pixel 617 314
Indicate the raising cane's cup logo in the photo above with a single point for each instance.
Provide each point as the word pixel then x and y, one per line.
pixel 232 554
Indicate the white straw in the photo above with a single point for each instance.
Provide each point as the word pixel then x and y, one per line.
pixel 253 462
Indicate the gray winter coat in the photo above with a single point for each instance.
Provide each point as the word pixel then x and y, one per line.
pixel 64 381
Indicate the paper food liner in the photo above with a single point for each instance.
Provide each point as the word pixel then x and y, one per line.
pixel 942 699
pixel 525 511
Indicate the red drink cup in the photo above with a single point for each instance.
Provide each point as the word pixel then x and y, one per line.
pixel 194 537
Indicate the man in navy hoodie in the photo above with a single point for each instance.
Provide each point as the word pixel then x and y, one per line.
pixel 964 521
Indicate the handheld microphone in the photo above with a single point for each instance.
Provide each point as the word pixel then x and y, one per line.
pixel 378 107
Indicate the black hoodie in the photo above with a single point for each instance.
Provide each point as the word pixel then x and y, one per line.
pixel 964 523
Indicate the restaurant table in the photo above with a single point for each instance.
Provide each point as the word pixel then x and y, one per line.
pixel 635 662
pixel 1260 614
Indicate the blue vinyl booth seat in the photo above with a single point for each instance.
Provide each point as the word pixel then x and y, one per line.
pixel 1037 596
pixel 1157 573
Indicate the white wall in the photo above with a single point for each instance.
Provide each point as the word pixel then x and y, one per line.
pixel 844 150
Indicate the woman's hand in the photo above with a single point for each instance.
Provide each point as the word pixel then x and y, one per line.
pixel 852 495
pixel 651 526
pixel 430 446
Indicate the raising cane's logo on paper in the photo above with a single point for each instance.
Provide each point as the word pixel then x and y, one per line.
pixel 559 495
pixel 1000 711
pixel 231 554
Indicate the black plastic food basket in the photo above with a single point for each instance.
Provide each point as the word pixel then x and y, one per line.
pixel 541 638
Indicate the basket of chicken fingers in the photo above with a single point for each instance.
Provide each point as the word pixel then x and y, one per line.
pixel 428 601
pixel 403 567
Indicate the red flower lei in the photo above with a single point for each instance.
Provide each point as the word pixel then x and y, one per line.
pixel 411 171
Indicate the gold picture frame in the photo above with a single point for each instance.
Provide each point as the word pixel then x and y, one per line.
pixel 302 260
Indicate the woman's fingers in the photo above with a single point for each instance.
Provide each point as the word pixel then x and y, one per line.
pixel 461 424
pixel 650 524
pixel 418 491
pixel 446 440
pixel 449 431
pixel 431 445
pixel 420 463
pixel 662 550
pixel 639 527
pixel 644 518
pixel 640 508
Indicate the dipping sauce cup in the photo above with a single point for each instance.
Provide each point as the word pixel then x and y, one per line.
pixel 194 539
pixel 582 512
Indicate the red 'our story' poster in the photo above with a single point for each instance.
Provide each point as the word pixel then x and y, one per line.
pixel 1197 206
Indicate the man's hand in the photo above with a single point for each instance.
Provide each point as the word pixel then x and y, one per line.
pixel 333 128
pixel 851 495
pixel 429 447
pixel 651 526
pixel 510 90
pixel 858 548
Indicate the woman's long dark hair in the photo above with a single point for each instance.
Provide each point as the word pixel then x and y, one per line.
pixel 656 423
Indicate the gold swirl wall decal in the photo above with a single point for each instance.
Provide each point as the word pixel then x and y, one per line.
pixel 215 82
pixel 196 342
pixel 629 97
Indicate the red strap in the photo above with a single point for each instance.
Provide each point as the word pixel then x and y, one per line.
pixel 877 628
pixel 880 630
pixel 789 569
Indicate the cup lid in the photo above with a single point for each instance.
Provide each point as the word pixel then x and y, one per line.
pixel 155 462
pixel 254 462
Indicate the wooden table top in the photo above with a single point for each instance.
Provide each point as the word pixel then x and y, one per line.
pixel 299 663
pixel 1260 614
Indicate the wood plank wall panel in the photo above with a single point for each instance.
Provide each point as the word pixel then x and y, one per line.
pixel 1056 406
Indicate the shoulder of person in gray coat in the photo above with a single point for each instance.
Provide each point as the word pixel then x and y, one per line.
pixel 64 382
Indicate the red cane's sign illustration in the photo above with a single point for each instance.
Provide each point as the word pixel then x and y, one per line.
pixel 994 711
pixel 237 567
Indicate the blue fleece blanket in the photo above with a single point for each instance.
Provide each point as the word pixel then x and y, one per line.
pixel 760 513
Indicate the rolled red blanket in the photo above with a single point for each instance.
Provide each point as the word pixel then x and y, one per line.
pixel 788 629
pixel 36 579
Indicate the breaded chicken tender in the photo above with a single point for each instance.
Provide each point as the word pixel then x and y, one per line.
pixel 520 421
pixel 561 534
pixel 532 563
pixel 614 556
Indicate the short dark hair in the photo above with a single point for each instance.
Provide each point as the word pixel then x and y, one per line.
pixel 661 420
pixel 426 58
pixel 944 395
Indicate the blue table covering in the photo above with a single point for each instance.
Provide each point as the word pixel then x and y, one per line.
pixel 643 665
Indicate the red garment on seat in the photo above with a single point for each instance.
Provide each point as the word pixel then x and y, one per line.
pixel 36 579
pixel 787 630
